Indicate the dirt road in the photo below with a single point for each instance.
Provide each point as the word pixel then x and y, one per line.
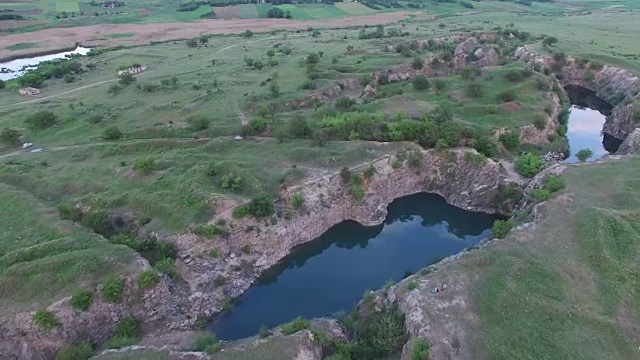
pixel 59 38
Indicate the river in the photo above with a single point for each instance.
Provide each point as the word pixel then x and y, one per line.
pixel 331 273
pixel 16 68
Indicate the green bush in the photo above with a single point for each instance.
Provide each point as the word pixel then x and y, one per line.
pixel 81 299
pixel 264 331
pixel 475 90
pixel 417 63
pixel 529 164
pixel 506 96
pixel 297 200
pixel 240 211
pixel 219 281
pixel 113 289
pixel 128 332
pixel 45 320
pixel 295 325
pixel 412 285
pixel 374 334
pixel 584 154
pixel 202 341
pixel 166 266
pixel 553 183
pixel 420 83
pixel 261 206
pixel 420 350
pixel 539 122
pixel 42 120
pixel 246 249
pixel 144 165
pixel 589 77
pixel 82 351
pixel 510 140
pixel 148 278
pixel 10 137
pixel 501 228
pixel 369 172
pixel 540 194
pixel 112 133
pixel 199 123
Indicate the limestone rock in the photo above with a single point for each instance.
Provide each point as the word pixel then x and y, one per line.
pixel 631 144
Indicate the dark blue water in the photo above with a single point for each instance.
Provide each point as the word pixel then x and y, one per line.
pixel 330 274
pixel 587 117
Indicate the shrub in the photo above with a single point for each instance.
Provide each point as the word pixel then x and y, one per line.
pixel 240 211
pixel 42 120
pixel 295 325
pixel 247 34
pixel 246 249
pixel 259 124
pixel 199 123
pixel 412 285
pixel 420 82
pixel 297 200
pixel 420 350
pixel 126 79
pixel 344 103
pixel 45 320
pixel 475 90
pixel 166 266
pixel 589 77
pixel 148 278
pixel 219 281
pixel 484 145
pixel 540 194
pixel 439 85
pixel 144 165
pixel 506 96
pixel 113 289
pixel 417 63
pixel 539 122
pixel 81 299
pixel 584 154
pixel 345 175
pixel 595 65
pixel 501 228
pixel 112 133
pixel 261 206
pixel 491 109
pixel 213 253
pixel 127 333
pixel 81 351
pixel 550 40
pixel 553 183
pixel 529 164
pixel 264 331
pixel 510 140
pixel 369 172
pixel 10 137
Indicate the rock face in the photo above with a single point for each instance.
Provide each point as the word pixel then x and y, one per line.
pixel 617 86
pixel 471 52
pixel 631 144
pixel 529 134
pixel 328 201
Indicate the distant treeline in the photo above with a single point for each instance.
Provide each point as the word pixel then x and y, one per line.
pixel 11 17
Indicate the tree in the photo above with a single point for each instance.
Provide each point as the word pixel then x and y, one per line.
pixel 420 82
pixel 42 120
pixel 247 33
pixel 584 154
pixel 112 133
pixel 313 58
pixel 261 206
pixel 203 39
pixel 501 228
pixel 199 123
pixel 2 84
pixel 315 33
pixel 192 43
pixel 10 137
pixel 271 53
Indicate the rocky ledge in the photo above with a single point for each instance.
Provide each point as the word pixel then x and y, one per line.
pixel 463 177
pixel 619 87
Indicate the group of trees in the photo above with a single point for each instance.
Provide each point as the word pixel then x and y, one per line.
pixel 279 13
pixel 66 69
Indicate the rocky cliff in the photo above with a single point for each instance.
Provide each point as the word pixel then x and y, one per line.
pixel 619 87
pixel 463 177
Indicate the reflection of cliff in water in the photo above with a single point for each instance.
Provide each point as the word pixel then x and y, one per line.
pixel 586 120
pixel 432 209
pixel 331 273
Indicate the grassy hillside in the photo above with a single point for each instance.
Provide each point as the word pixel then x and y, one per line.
pixel 568 288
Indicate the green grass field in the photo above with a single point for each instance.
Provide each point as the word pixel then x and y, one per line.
pixel 568 289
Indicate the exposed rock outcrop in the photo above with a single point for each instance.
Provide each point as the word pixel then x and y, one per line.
pixel 617 86
pixel 631 144
pixel 529 134
pixel 472 52
pixel 461 181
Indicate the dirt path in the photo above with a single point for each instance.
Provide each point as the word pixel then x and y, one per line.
pixel 510 170
pixel 98 35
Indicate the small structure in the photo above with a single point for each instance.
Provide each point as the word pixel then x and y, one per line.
pixel 29 91
pixel 132 70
